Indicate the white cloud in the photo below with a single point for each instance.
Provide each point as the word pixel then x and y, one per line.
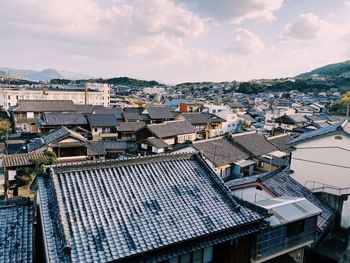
pixel 245 42
pixel 308 26
pixel 347 3
pixel 236 11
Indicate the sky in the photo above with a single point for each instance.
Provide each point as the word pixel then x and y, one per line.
pixel 175 41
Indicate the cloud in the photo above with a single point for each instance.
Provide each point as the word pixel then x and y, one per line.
pixel 347 3
pixel 308 26
pixel 236 11
pixel 245 42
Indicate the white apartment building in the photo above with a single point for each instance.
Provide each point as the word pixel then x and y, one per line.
pixel 96 94
pixel 224 111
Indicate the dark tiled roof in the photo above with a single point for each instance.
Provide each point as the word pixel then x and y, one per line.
pixel 35 144
pixel 56 135
pixel 116 209
pixel 282 184
pixel 171 128
pixel 254 143
pixel 96 148
pixel 317 133
pixel 102 120
pixel 202 118
pixel 64 119
pixel 16 231
pixel 117 112
pixel 45 106
pixel 130 126
pixel 159 112
pixel 84 108
pixel 281 141
pixel 115 145
pixel 22 159
pixel 220 151
pixel 158 143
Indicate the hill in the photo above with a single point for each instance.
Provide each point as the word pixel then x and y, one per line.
pixel 341 69
pixel 121 81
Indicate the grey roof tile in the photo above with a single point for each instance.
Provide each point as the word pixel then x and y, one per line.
pixel 281 141
pixel 254 143
pixel 201 118
pixel 159 112
pixel 102 120
pixel 64 119
pixel 111 210
pixel 220 151
pixel 21 159
pixel 44 106
pixel 16 231
pixel 171 128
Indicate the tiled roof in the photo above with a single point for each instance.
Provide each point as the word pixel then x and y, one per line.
pixel 115 145
pixel 117 112
pixel 45 106
pixel 22 159
pixel 102 120
pixel 171 128
pixel 16 231
pixel 60 134
pixel 84 108
pixel 64 119
pixel 281 141
pixel 282 184
pixel 159 112
pixel 111 210
pixel 130 126
pixel 254 143
pixel 96 148
pixel 317 133
pixel 220 151
pixel 158 143
pixel 201 118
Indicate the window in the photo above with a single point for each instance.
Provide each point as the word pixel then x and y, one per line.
pixel 16 97
pixel 9 97
pixel 95 129
pixel 295 228
pixel 199 256
pixel 261 164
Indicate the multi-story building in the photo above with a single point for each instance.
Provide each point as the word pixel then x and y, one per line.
pixel 94 94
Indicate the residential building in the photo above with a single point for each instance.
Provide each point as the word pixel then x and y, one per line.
pixel 320 161
pixel 103 126
pixel 225 158
pixel 207 125
pixel 10 96
pixel 167 208
pixel 171 132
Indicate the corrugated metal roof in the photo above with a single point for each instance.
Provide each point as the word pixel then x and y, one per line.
pixel 104 211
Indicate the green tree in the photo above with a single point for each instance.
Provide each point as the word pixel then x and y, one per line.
pixel 345 99
pixel 5 126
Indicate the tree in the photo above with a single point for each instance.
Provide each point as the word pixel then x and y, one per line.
pixel 5 126
pixel 345 99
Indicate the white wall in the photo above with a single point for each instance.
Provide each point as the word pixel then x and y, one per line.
pixel 327 161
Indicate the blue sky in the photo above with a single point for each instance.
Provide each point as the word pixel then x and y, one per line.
pixel 175 40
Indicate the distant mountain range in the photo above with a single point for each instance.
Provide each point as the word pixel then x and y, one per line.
pixel 341 69
pixel 43 75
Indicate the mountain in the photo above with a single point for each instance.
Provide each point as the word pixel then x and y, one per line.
pixel 341 69
pixel 43 75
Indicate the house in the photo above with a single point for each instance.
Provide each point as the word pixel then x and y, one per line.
pixel 67 145
pixel 281 142
pixel 103 126
pixel 171 132
pixel 12 163
pixel 154 145
pixel 74 121
pixel 27 112
pixel 165 208
pixel 225 158
pixel 290 122
pixel 158 113
pixel 207 125
pixel 266 156
pixel 135 114
pixel 127 130
pixel 16 230
pixel 320 161
pixel 279 184
pixel 293 223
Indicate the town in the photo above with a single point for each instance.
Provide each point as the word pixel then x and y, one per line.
pixel 197 172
